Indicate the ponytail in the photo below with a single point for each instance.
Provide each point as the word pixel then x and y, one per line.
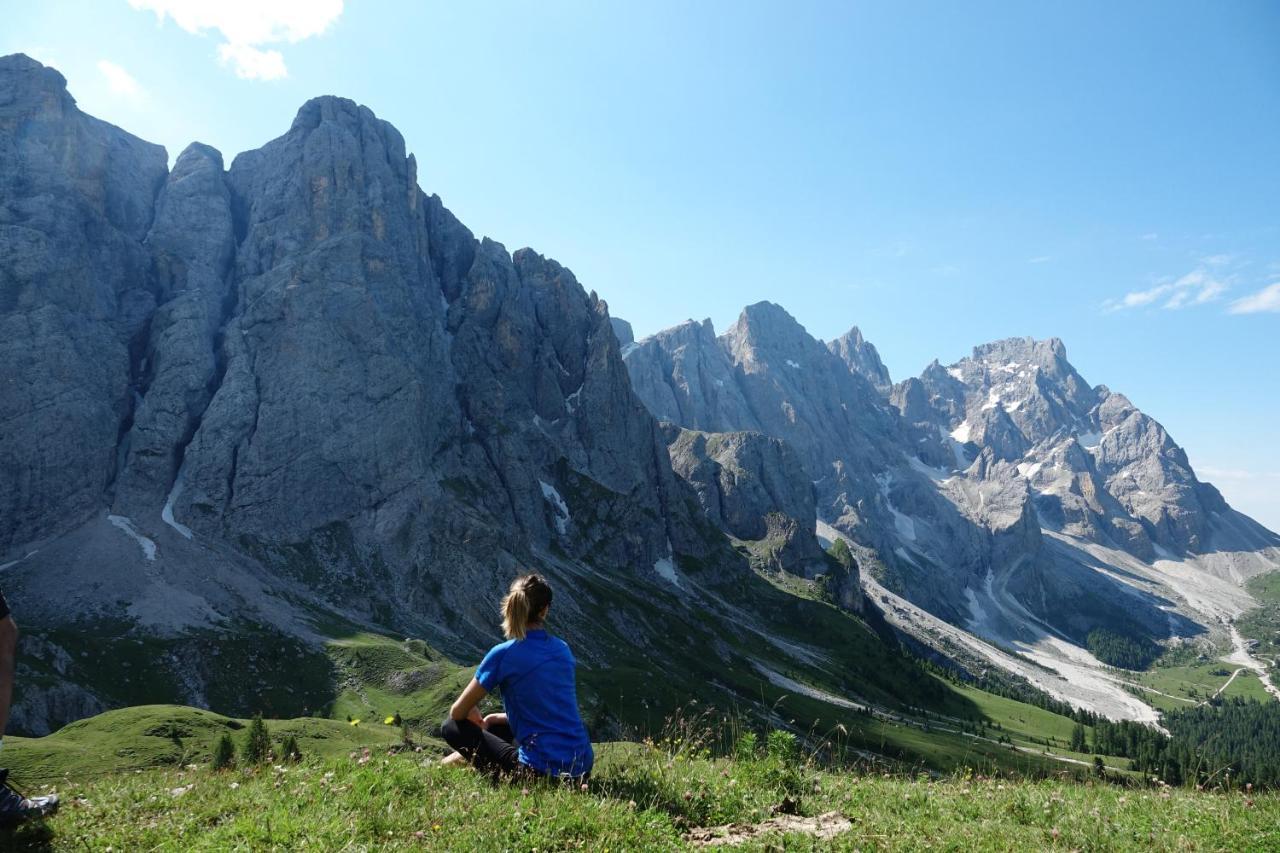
pixel 524 603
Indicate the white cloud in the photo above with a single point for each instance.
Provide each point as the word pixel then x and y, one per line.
pixel 247 25
pixel 251 63
pixel 1039 259
pixel 1265 300
pixel 1195 288
pixel 120 82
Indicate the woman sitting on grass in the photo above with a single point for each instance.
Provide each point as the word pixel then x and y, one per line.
pixel 541 733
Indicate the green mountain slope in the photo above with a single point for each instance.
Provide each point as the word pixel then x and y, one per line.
pixel 665 796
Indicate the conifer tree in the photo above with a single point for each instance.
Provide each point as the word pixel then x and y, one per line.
pixel 257 742
pixel 291 751
pixel 224 754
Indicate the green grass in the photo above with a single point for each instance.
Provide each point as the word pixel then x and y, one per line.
pixel 1189 683
pixel 642 796
pixel 150 736
pixel 1263 622
pixel 1247 685
pixel 756 634
pixel 379 677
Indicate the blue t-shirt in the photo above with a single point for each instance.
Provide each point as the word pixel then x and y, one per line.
pixel 536 675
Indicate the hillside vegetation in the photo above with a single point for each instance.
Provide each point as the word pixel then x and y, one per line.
pixel 667 794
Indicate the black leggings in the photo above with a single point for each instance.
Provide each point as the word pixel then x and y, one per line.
pixel 491 750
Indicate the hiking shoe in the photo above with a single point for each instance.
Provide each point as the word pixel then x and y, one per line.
pixel 16 808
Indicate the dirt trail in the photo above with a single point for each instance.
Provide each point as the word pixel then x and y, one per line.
pixel 1218 692
pixel 1241 657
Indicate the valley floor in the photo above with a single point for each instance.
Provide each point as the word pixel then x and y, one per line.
pixel 643 796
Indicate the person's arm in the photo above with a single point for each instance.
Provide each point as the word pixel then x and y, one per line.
pixel 496 720
pixel 464 707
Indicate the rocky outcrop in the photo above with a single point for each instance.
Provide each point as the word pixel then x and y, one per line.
pixel 1098 467
pixel 684 376
pixel 192 244
pixel 862 357
pixel 622 331
pixel 766 374
pixel 754 488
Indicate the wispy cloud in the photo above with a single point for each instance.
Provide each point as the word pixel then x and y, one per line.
pixel 1150 236
pixel 1197 287
pixel 119 81
pixel 1040 259
pixel 1265 300
pixel 250 63
pixel 246 26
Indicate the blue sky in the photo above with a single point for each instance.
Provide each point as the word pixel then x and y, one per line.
pixel 939 174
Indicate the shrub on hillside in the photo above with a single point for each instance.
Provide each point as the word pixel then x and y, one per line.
pixel 224 753
pixel 290 751
pixel 782 745
pixel 257 743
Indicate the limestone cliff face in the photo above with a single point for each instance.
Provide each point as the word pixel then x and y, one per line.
pixel 77 197
pixel 298 371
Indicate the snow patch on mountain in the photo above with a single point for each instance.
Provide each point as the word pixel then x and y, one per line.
pixel 166 514
pixel 903 523
pixel 1089 440
pixel 126 524
pixel 562 509
pixel 666 568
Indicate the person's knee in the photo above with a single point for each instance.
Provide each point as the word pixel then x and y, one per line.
pixel 449 731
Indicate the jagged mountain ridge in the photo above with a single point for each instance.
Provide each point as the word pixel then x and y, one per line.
pixel 243 367
pixel 1002 494
pixel 265 409
pixel 290 391
pixel 295 396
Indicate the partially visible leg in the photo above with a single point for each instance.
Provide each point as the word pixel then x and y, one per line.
pixel 485 751
pixel 502 731
pixel 8 656
pixel 14 807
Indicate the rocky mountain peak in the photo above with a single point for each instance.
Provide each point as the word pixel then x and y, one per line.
pixel 862 357
pixel 766 327
pixel 622 331
pixel 27 81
